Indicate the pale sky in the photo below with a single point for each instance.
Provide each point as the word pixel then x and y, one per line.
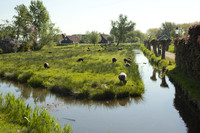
pixel 79 16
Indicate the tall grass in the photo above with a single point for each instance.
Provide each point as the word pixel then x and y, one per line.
pixel 167 63
pixel 96 74
pixel 17 112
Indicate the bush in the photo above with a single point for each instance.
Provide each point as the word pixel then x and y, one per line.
pixel 9 45
pixel 25 76
pixel 36 81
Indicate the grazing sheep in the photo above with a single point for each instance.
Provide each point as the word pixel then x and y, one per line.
pixel 122 77
pixel 120 48
pixel 80 59
pixel 114 60
pixel 127 60
pixel 128 65
pixel 46 65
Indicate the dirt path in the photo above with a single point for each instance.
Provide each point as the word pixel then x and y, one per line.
pixel 170 55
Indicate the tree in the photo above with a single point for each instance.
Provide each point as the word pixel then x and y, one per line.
pixel 93 37
pixel 7 30
pixel 22 21
pixel 39 14
pixel 111 39
pixel 152 33
pixel 121 27
pixel 168 29
pixel 49 34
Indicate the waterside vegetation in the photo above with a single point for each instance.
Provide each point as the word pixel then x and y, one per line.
pixel 189 85
pixel 16 116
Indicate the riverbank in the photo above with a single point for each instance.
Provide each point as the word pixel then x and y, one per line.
pixel 16 116
pixel 189 86
pixel 85 71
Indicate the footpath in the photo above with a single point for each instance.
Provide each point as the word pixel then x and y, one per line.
pixel 170 55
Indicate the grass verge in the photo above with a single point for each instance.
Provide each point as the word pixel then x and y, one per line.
pixel 16 116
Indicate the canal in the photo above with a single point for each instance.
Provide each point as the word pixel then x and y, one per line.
pixel 154 112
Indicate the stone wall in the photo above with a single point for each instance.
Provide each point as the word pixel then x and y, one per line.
pixel 188 52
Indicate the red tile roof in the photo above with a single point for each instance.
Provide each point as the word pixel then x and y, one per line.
pixel 74 38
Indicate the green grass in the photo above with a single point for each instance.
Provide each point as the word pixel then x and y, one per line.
pixel 16 116
pixel 171 48
pixel 95 77
pixel 7 127
pixel 188 84
pixel 166 63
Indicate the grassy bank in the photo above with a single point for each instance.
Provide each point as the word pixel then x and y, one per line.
pixel 167 63
pixel 16 116
pixel 96 77
pixel 188 84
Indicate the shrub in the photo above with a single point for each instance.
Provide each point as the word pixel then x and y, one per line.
pixel 25 76
pixel 36 81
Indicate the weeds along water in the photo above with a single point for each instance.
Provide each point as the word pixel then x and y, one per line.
pixel 96 77
pixel 22 118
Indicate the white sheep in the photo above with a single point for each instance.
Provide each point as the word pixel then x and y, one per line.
pixel 46 65
pixel 122 77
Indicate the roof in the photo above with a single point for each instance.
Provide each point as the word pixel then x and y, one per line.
pixel 163 37
pixel 74 38
pixel 105 36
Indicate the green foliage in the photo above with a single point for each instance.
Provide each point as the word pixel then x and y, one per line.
pixel 1 51
pixel 171 48
pixel 111 38
pixel 94 37
pixel 168 28
pixel 188 84
pixel 121 27
pixel 36 81
pixel 67 76
pixel 17 112
pixel 157 61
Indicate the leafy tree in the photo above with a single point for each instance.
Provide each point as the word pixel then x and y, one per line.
pixel 111 38
pixel 152 33
pixel 22 21
pixel 140 35
pixel 49 35
pixel 39 14
pixel 7 30
pixel 183 28
pixel 121 27
pixel 93 37
pixel 168 28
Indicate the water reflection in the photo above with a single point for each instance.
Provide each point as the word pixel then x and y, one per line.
pixel 189 113
pixel 164 83
pixel 40 95
pixel 153 77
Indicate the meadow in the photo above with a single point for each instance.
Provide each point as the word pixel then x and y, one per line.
pixel 96 77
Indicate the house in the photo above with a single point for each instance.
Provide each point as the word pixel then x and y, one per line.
pixel 104 38
pixel 71 39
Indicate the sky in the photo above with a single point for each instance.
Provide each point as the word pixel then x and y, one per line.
pixel 79 16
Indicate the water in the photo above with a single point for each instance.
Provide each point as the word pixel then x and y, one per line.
pixel 154 112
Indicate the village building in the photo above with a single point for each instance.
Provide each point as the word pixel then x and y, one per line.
pixel 71 39
pixel 104 38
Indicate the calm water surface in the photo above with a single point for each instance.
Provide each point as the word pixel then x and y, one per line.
pixel 154 112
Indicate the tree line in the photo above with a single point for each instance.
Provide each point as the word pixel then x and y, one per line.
pixel 168 28
pixel 31 26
